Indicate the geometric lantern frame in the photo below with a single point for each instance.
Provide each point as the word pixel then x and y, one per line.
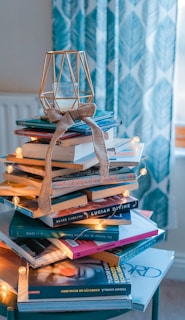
pixel 66 81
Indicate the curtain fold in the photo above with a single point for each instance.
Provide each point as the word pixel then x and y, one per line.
pixel 130 47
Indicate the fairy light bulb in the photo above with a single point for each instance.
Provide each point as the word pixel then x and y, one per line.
pixel 126 193
pixel 16 200
pixel 22 270
pixel 18 152
pixel 136 139
pixel 143 171
pixel 9 169
pixel 33 139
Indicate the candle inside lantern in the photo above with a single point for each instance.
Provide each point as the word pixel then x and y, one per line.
pixel 65 95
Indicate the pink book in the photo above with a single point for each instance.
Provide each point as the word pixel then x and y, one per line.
pixel 140 228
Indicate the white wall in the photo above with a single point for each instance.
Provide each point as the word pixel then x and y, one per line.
pixel 25 36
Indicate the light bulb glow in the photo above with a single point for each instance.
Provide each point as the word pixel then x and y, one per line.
pixel 9 169
pixel 126 193
pixel 18 152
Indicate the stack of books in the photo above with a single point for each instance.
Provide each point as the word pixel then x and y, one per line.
pixel 76 253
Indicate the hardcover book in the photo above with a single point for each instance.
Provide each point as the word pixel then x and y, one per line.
pixel 99 208
pixel 122 254
pixel 38 252
pixel 140 228
pixel 22 226
pixel 29 206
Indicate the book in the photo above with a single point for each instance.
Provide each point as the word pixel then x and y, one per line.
pixel 37 252
pixel 140 228
pixel 85 178
pixel 82 164
pixel 68 139
pixel 120 159
pixel 82 127
pixel 17 189
pixel 68 284
pixel 147 270
pixel 122 254
pixel 29 206
pixel 92 177
pixel 22 226
pixel 110 220
pixel 10 263
pixel 103 191
pixel 38 149
pixel 41 122
pixel 99 208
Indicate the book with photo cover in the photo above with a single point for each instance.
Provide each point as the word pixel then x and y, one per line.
pixel 22 226
pixel 86 277
pixel 37 252
pixel 140 228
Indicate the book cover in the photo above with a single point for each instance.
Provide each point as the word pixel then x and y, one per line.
pixel 29 206
pixel 85 277
pixel 22 226
pixel 140 228
pixel 108 190
pixel 37 252
pixel 81 164
pixel 99 208
pixel 147 270
pixel 117 256
pixel 38 149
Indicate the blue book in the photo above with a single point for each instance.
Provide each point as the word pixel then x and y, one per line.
pixel 117 256
pixel 22 226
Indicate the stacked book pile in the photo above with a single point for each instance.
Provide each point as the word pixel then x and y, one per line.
pixel 73 257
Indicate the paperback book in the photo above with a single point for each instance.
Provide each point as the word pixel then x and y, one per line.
pixel 99 208
pixel 29 206
pixel 83 281
pixel 111 220
pixel 140 228
pixel 37 252
pixel 146 271
pixel 22 226
pixel 120 255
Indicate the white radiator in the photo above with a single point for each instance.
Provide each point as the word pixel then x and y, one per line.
pixel 12 108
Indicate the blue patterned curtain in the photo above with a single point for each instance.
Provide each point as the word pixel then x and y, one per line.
pixel 130 47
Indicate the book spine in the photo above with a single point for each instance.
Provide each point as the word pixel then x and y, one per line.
pixel 85 234
pixel 21 209
pixel 75 292
pixel 94 180
pixel 118 208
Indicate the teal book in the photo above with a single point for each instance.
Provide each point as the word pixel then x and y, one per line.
pixel 147 270
pixel 22 226
pixel 122 254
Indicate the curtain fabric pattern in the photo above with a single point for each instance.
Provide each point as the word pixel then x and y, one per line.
pixel 130 47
